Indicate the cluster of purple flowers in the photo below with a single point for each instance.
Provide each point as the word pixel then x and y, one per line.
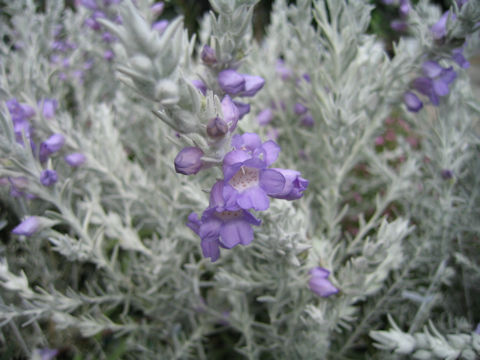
pixel 436 79
pixel 248 181
pixel 21 114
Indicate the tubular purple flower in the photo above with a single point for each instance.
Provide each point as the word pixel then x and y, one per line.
pixel 75 159
pixel 49 106
pixel 208 55
pixel 27 227
pixel 253 84
pixel 294 186
pixel 412 101
pixel 231 82
pixel 189 161
pixel 265 116
pixel 219 227
pixel 439 29
pixel 48 177
pixel 320 284
pixel 53 144
pixel 231 115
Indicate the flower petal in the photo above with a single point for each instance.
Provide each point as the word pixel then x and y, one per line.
pixel 236 232
pixel 273 182
pixel 253 198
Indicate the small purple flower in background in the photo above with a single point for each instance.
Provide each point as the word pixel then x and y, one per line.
pixel 189 161
pixel 160 26
pixel 439 29
pixel 108 37
pixel 49 106
pixel 89 4
pixel 436 81
pixel 412 101
pixel 108 55
pixel 477 329
pixel 231 81
pixel 219 227
pixel 208 55
pixel 157 8
pixel 265 116
pixel 75 159
pixel 307 121
pixel 299 109
pixel 47 354
pixel 53 144
pixel 404 7
pixel 459 58
pixel 48 177
pixel 284 72
pixel 18 185
pixel 446 174
pixel 27 227
pixel 294 186
pixel 319 282
pixel 399 25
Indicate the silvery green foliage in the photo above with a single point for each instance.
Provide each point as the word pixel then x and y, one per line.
pixel 113 272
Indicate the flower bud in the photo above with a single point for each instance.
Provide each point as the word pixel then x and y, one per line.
pixel 208 55
pixel 320 284
pixel 265 116
pixel 53 144
pixel 253 84
pixel 75 159
pixel 27 227
pixel 217 127
pixel 189 161
pixel 48 177
pixel 412 101
pixel 231 82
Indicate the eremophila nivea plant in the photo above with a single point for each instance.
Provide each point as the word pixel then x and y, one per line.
pixel 310 193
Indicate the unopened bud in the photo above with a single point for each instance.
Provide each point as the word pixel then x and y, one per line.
pixel 217 127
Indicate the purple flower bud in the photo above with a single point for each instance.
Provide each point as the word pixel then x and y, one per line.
pixel 319 282
pixel 108 37
pixel 431 69
pixel 459 58
pixel 89 4
pixel 208 55
pixel 160 26
pixel 157 8
pixel 217 127
pixel 48 177
pixel 294 186
pixel 189 161
pixel 300 109
pixel 53 144
pixel 75 159
pixel 49 107
pixel 307 121
pixel 412 101
pixel 108 55
pixel 27 227
pixel 404 7
pixel 284 72
pixel 446 174
pixel 231 115
pixel 265 116
pixel 253 84
pixel 243 109
pixel 439 29
pixel 92 24
pixel 231 82
pixel 200 85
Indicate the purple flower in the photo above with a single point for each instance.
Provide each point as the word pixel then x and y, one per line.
pixel 294 186
pixel 436 81
pixel 412 101
pixel 49 106
pixel 208 55
pixel 75 159
pixel 307 121
pixel 27 227
pixel 47 354
pixel 459 58
pixel 243 108
pixel 231 82
pixel 248 182
pixel 253 84
pixel 157 8
pixel 18 185
pixel 48 177
pixel 108 37
pixel 446 174
pixel 284 72
pixel 404 7
pixel 300 109
pixel 231 115
pixel 200 85
pixel 319 282
pixel 399 25
pixel 89 4
pixel 219 227
pixel 189 161
pixel 439 29
pixel 265 116
pixel 160 26
pixel 108 55
pixel 53 144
